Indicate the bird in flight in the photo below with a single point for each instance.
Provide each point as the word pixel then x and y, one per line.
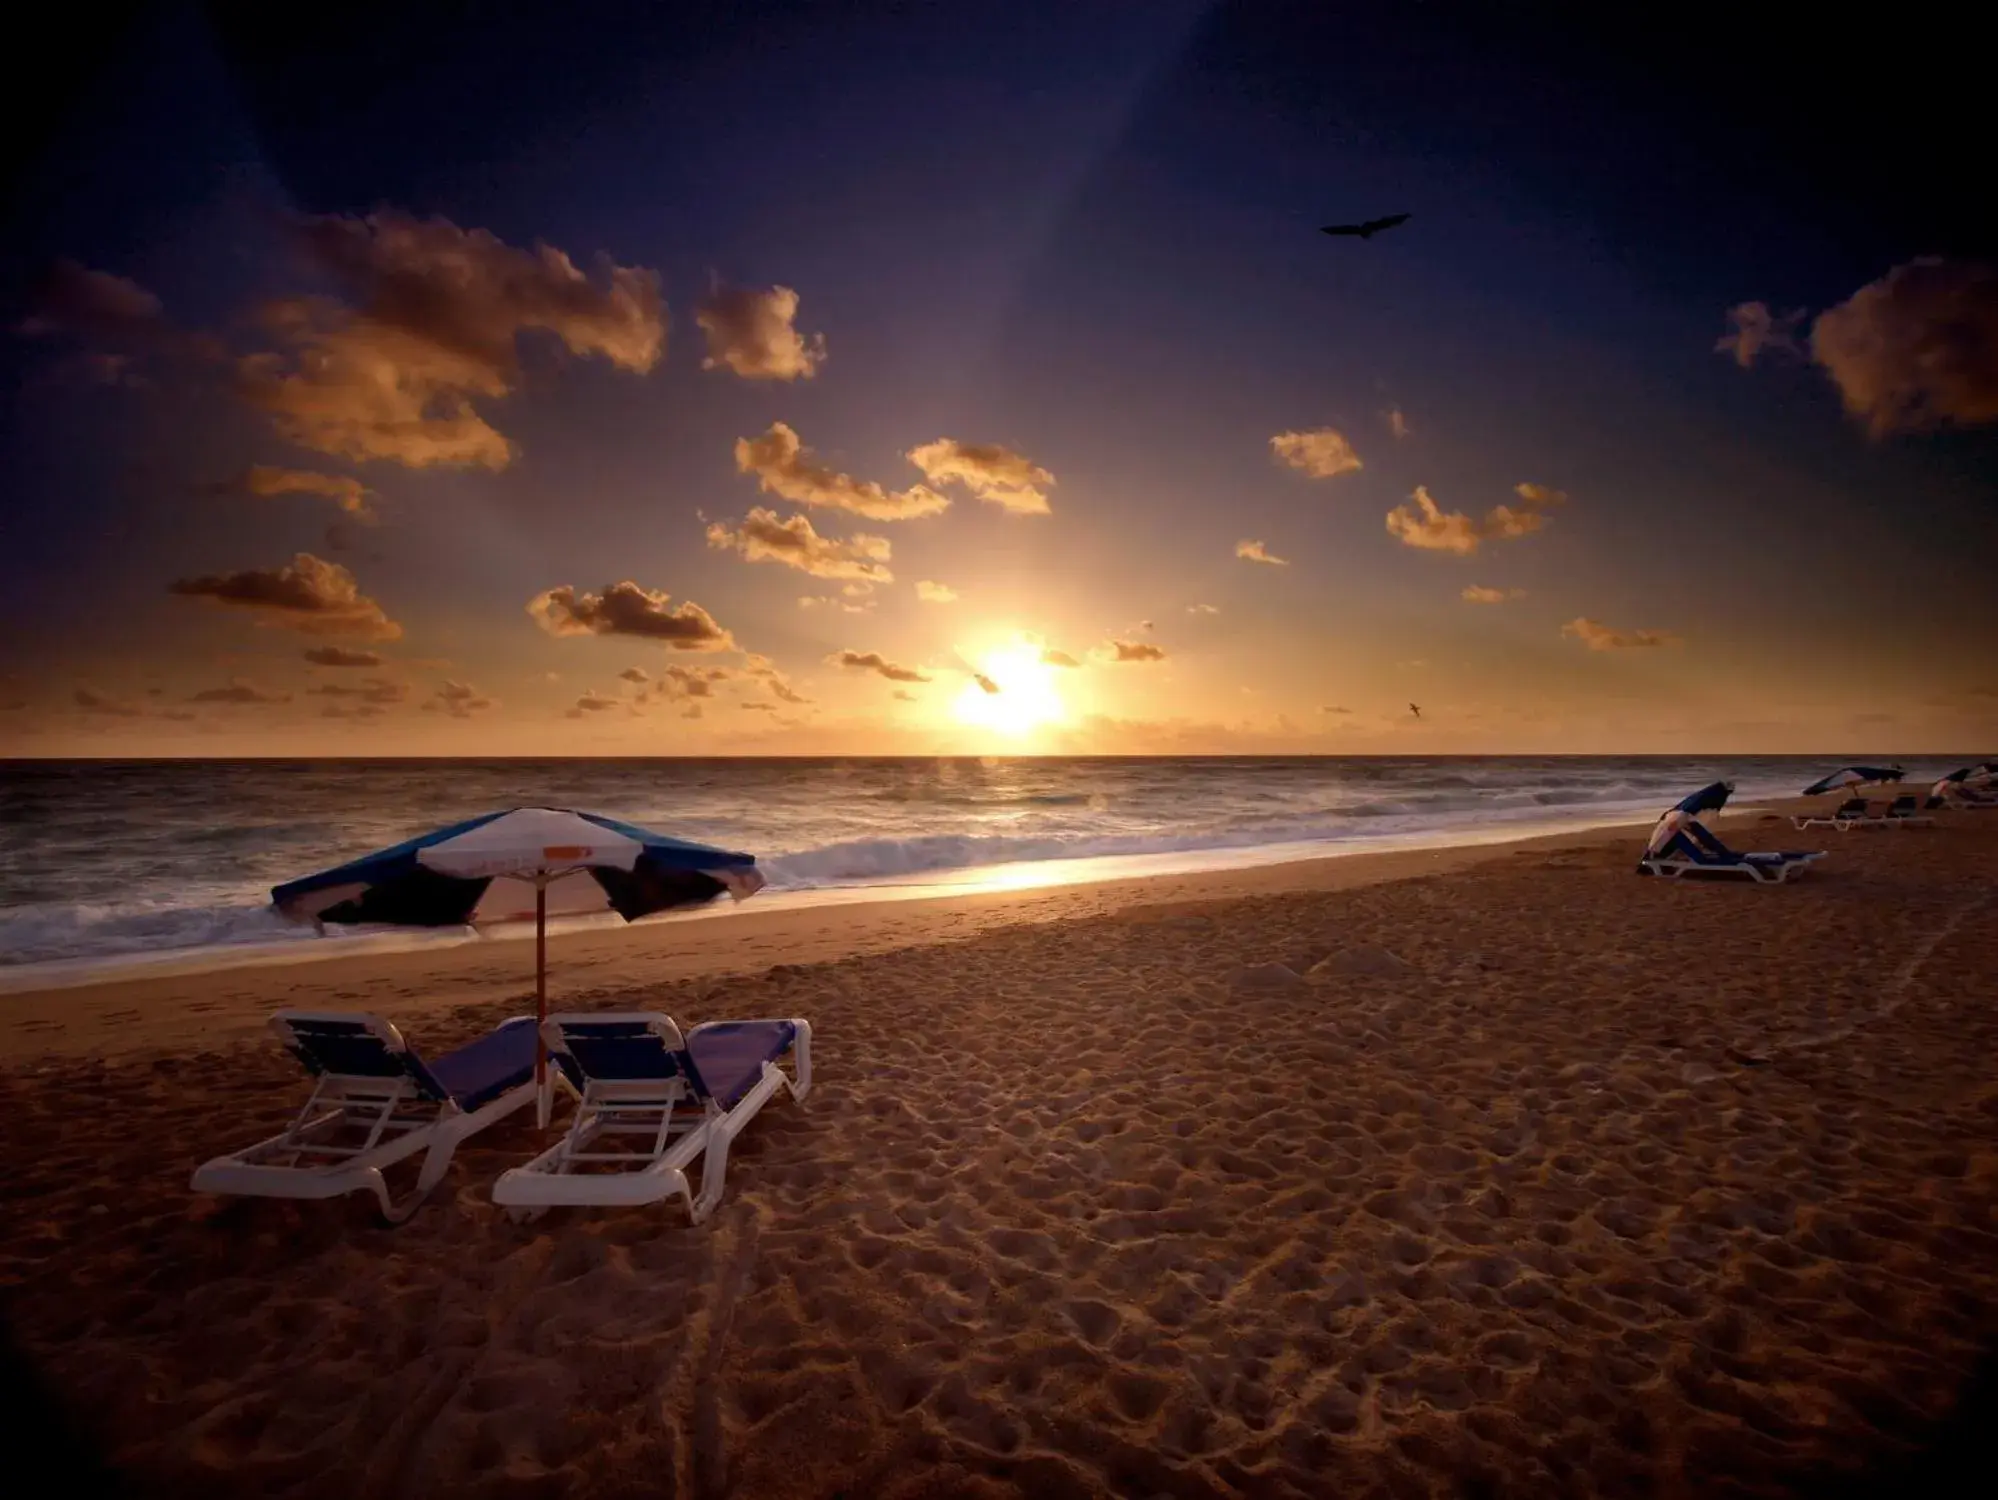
pixel 1367 230
pixel 1414 709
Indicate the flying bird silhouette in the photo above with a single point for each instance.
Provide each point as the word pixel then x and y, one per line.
pixel 1414 709
pixel 1367 230
pixel 985 682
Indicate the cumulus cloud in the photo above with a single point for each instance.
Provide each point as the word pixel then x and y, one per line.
pixel 347 493
pixel 874 661
pixel 340 656
pixel 1333 708
pixel 1477 593
pixel 783 467
pixel 378 691
pixel 756 705
pixel 306 594
pixel 1053 658
pixel 1600 637
pixel 95 306
pixel 1318 454
pixel 629 610
pixel 754 334
pixel 1256 552
pixel 437 317
pixel 1917 349
pixel 1752 328
pixel 1119 650
pixel 591 703
pixel 1203 609
pixel 93 702
pixel 238 692
pixel 635 674
pixel 935 593
pixel 1009 480
pixel 779 686
pixel 833 601
pixel 1427 525
pixel 458 699
pixel 762 537
pixel 906 696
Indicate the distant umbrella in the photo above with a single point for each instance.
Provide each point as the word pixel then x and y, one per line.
pixel 1852 776
pixel 1710 798
pixel 480 870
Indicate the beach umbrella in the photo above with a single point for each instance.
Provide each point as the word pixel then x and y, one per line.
pixel 482 871
pixel 1710 798
pixel 1851 776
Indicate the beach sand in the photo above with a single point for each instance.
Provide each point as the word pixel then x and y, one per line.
pixel 1520 1176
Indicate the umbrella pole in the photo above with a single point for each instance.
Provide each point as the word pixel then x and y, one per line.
pixel 542 1102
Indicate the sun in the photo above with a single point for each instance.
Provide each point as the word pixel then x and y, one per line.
pixel 1027 698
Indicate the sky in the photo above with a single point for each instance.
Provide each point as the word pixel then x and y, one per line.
pixel 974 379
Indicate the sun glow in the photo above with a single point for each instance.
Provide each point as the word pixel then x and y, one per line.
pixel 1028 695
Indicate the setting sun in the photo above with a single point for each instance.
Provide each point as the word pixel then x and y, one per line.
pixel 1014 692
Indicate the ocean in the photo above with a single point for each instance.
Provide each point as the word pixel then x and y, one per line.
pixel 108 862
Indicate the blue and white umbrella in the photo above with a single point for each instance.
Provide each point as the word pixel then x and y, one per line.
pixel 484 869
pixel 1710 798
pixel 1847 777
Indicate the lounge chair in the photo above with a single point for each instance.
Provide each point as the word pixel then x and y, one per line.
pixel 684 1099
pixel 1848 812
pixel 374 1103
pixel 1911 812
pixel 1690 848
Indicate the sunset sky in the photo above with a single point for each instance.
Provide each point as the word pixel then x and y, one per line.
pixel 973 378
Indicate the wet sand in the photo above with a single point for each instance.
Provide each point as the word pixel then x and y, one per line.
pixel 1518 1176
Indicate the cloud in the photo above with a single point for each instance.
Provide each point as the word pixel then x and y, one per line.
pixel 874 661
pixel 906 696
pixel 240 692
pixel 1333 708
pixel 94 306
pixel 985 682
pixel 1116 650
pixel 340 656
pixel 635 674
pixel 439 316
pixel 1256 552
pixel 1318 454
pixel 349 494
pixel 831 601
pixel 1426 525
pixel 592 703
pixel 752 333
pixel 1053 658
pixel 1398 424
pixel 1600 637
pixel 1203 609
pixel 757 705
pixel 780 463
pixel 93 702
pixel 1917 349
pixel 306 594
pixel 352 711
pixel 1753 328
pixel 1009 480
pixel 458 699
pixel 379 691
pixel 935 593
pixel 765 538
pixel 1478 594
pixel 626 609
pixel 779 686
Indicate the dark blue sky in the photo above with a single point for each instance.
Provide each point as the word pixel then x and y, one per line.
pixel 1084 232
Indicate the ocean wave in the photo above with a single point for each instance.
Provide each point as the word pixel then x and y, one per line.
pixel 53 930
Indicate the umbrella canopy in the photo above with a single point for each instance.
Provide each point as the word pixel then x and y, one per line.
pixel 1965 776
pixel 483 869
pixel 1710 798
pixel 1851 776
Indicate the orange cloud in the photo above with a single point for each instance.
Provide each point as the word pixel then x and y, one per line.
pixel 764 538
pixel 591 703
pixel 629 610
pixel 1917 349
pixel 340 656
pixel 458 699
pixel 1256 552
pixel 93 305
pixel 93 702
pixel 753 334
pixel 935 593
pixel 1427 525
pixel 1116 650
pixel 1600 637
pixel 1318 454
pixel 307 594
pixel 1053 658
pixel 874 661
pixel 1479 594
pixel 377 691
pixel 780 463
pixel 1009 480
pixel 441 310
pixel 347 493
pixel 238 692
pixel 1752 328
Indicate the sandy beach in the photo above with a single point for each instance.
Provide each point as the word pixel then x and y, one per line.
pixel 1494 1171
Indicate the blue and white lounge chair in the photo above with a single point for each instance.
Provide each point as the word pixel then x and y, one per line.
pixel 1847 813
pixel 1910 811
pixel 1682 846
pixel 374 1103
pixel 684 1099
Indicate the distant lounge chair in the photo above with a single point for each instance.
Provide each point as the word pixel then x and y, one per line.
pixel 375 1102
pixel 1911 812
pixel 685 1098
pixel 1848 812
pixel 1690 848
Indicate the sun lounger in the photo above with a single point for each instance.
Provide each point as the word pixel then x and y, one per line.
pixel 678 1101
pixel 374 1103
pixel 1692 849
pixel 1847 813
pixel 1910 812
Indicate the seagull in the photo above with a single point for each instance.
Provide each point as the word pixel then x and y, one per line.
pixel 1412 708
pixel 1367 230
